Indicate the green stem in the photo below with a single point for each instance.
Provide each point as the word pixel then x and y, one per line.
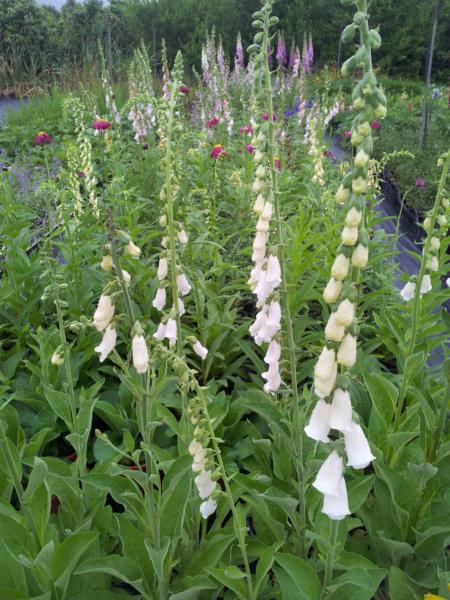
pixel 417 296
pixel 334 529
pixel 297 417
pixel 441 426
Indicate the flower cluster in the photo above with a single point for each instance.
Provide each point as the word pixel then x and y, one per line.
pixel 334 409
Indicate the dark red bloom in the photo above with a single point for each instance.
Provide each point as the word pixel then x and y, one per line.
pixel 81 174
pixel 55 504
pixel 246 129
pixel 212 122
pixel 101 124
pixel 278 163
pixel 250 149
pixel 42 138
pixel 328 154
pixel 217 151
pixel 265 117
pixel 184 89
pixel 375 125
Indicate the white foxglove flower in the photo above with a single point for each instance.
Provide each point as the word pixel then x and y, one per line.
pixel 183 284
pixel 208 508
pixel 340 267
pixel 353 218
pixel 332 291
pixel 408 291
pixel 57 359
pixel 140 354
pixel 260 172
pixel 334 330
pixel 160 299
pixel 104 313
pixel 259 254
pixel 435 243
pixel 272 376
pixel 341 414
pixel 107 344
pixel 329 477
pixel 258 156
pixel 447 282
pixel 165 241
pixel 345 313
pixel 163 268
pixel 318 427
pixel 132 250
pixel 336 507
pixel 426 285
pixel 182 237
pixel 361 159
pixel 349 236
pixel 325 373
pixel 342 195
pixel 163 221
pixel 171 331
pixel 198 464
pixel 263 225
pixel 160 333
pixel 194 447
pixel 357 447
pixel 359 185
pixel 267 210
pixel 263 287
pixel 432 263
pixel 107 263
pixel 260 240
pixel 273 270
pixel 126 277
pixel 257 186
pixel 273 353
pixel 200 350
pixel 258 207
pixel 205 484
pixel 360 256
pixel 346 354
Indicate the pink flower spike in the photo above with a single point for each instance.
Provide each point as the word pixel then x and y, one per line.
pixel 375 125
pixel 250 149
pixel 265 116
pixel 246 129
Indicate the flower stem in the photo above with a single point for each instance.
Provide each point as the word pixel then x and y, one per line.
pixel 334 529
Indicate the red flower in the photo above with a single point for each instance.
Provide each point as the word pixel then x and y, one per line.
pixel 265 117
pixel 375 125
pixel 217 151
pixel 420 183
pixel 42 138
pixel 250 149
pixel 347 134
pixel 246 129
pixel 55 504
pixel 101 124
pixel 277 163
pixel 184 89
pixel 212 122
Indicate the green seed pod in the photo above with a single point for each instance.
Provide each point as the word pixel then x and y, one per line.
pixel 258 37
pixel 258 24
pixel 356 201
pixel 347 181
pixel 257 15
pixel 349 33
pixel 359 18
pixel 274 21
pixel 253 48
pixel 374 39
pixel 363 237
pixel 380 97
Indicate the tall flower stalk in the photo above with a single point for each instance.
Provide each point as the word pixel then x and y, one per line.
pixel 333 410
pixel 265 278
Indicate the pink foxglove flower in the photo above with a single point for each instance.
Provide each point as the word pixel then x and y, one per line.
pixel 104 313
pixel 212 122
pixel 107 344
pixel 341 413
pixel 329 477
pixel 140 354
pixel 357 447
pixel 318 427
pixel 160 333
pixel 272 377
pixel 163 268
pixel 336 507
pixel 273 353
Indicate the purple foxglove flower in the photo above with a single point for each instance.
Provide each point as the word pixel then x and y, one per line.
pixel 281 51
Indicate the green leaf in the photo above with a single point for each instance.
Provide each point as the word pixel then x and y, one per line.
pixel 158 557
pixel 383 394
pixel 60 403
pixel 299 581
pixel 431 542
pixel 176 494
pixel 401 586
pixel 264 565
pixel 192 586
pixel 67 555
pixel 236 585
pixel 264 406
pixel 358 490
pixel 118 566
pixel 209 555
pixel 357 584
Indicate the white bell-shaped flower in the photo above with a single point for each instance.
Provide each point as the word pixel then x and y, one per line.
pixel 140 354
pixel 208 508
pixel 340 267
pixel 104 312
pixel 408 291
pixel 332 291
pixel 171 331
pixel 426 284
pixel 345 313
pixel 163 267
pixel 346 354
pixel 200 350
pixel 273 353
pixel 160 333
pixel 334 330
pixel 357 447
pixel 107 344
pixel 330 474
pixel 205 484
pixel 341 414
pixel 336 507
pixel 318 427
pixel 273 270
pixel 360 256
pixel 183 284
pixel 160 299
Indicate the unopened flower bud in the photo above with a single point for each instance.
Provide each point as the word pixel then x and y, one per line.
pixel 107 263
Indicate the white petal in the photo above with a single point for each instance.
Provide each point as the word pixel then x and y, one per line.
pixel 336 507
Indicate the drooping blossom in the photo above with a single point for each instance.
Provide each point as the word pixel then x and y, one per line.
pixel 239 56
pixel 375 125
pixel 107 344
pixel 250 149
pixel 140 354
pixel 42 138
pixel 347 135
pixel 246 129
pixel 212 122
pixel 184 89
pixel 104 312
pixel 277 163
pixel 265 116
pixel 435 93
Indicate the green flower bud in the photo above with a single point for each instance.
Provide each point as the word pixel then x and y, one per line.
pixel 374 39
pixel 359 18
pixel 349 33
